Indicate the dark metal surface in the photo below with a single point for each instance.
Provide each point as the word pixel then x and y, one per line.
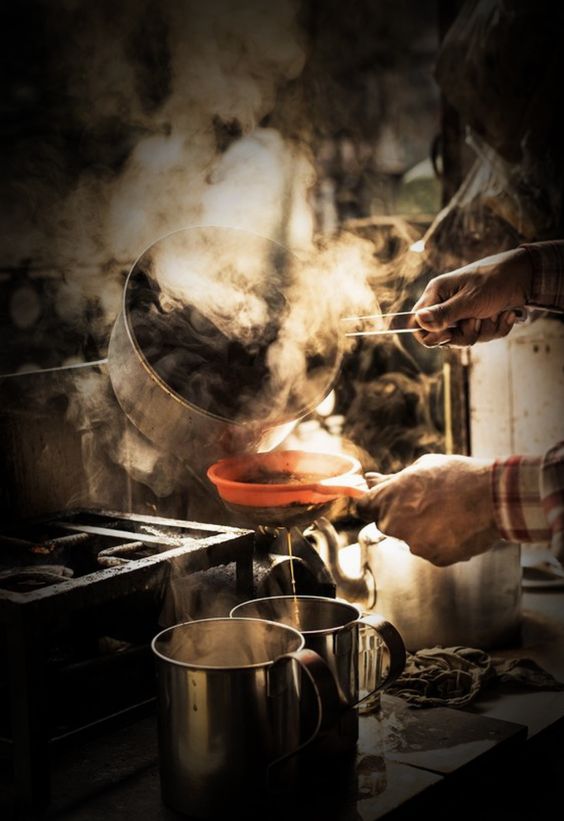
pixel 59 679
pixel 192 546
pixel 78 648
pixel 118 774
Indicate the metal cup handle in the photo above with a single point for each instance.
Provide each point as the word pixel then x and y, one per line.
pixel 327 699
pixel 394 645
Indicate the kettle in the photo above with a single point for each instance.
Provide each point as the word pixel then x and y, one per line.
pixel 474 603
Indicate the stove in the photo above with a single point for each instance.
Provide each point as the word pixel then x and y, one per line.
pixel 85 586
pixel 83 592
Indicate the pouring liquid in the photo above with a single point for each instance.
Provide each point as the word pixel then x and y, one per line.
pixel 297 621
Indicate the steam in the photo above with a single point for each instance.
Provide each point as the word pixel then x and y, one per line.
pixel 171 99
pixel 276 177
pixel 330 282
pixel 226 63
pixel 202 594
pixel 242 327
pixel 154 88
pixel 106 435
pixel 226 643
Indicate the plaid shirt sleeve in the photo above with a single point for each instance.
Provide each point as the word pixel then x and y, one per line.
pixel 547 261
pixel 528 498
pixel 552 496
pixel 528 491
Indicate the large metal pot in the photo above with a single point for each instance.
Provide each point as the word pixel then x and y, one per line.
pixel 476 603
pixel 195 435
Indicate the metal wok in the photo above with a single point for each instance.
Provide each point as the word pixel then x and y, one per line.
pixel 194 434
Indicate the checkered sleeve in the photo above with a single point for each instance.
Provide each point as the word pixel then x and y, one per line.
pixel 518 508
pixel 547 261
pixel 552 496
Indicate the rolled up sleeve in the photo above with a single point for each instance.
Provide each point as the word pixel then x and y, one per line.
pixel 547 263
pixel 517 503
pixel 552 496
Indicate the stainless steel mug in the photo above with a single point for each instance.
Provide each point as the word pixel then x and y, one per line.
pixel 229 709
pixel 353 645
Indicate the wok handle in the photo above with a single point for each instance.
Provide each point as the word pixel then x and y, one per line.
pixel 353 485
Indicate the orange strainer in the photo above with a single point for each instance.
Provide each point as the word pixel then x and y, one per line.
pixel 286 487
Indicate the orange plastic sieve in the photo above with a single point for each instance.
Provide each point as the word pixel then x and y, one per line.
pixel 281 478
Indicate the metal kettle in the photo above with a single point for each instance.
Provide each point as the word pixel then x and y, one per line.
pixel 475 603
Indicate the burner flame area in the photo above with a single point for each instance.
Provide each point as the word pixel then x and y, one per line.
pixel 82 593
pixel 32 577
pixel 80 547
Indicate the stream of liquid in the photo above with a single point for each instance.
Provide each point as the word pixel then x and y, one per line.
pixel 291 555
pixel 296 608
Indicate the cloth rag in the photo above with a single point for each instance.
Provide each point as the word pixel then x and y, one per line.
pixel 456 676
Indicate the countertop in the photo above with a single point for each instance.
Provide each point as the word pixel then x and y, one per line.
pixel 502 758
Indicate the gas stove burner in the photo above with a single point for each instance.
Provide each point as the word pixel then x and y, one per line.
pixel 33 577
pixel 91 543
pixel 125 553
pixel 82 580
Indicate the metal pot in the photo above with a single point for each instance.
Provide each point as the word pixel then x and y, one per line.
pixel 172 423
pixel 476 603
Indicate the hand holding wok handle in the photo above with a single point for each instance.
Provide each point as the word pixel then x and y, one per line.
pixel 379 632
pixel 328 702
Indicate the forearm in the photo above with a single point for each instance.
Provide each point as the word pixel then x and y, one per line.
pixel 547 282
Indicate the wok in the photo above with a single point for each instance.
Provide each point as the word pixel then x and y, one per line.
pixel 198 435
pixel 285 488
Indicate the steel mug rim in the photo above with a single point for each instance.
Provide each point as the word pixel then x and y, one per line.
pixel 220 668
pixel 321 632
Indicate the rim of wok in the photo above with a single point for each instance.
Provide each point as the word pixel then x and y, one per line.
pixel 126 306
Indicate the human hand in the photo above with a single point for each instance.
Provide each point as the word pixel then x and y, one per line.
pixel 441 506
pixel 476 299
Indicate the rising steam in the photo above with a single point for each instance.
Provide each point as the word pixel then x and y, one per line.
pixel 240 326
pixel 171 100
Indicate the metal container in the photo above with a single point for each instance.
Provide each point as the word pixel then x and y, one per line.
pixel 353 646
pixel 196 436
pixel 170 421
pixel 476 603
pixel 229 709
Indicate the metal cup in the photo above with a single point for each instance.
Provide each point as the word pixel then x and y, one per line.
pixel 229 709
pixel 353 646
